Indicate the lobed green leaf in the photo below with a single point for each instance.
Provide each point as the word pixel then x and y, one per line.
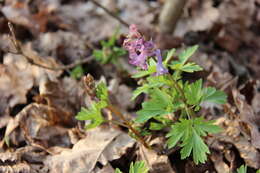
pixel 188 133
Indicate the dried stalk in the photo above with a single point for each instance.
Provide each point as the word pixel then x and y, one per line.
pixel 170 14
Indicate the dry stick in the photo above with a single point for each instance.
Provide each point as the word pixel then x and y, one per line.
pixel 170 14
pixel 110 13
pixel 19 51
pixel 121 116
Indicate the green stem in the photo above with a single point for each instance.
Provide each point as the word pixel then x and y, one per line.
pixel 190 112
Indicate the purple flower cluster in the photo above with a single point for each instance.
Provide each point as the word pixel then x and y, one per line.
pixel 140 50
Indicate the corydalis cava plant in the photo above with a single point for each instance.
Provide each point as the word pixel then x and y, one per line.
pixel 170 98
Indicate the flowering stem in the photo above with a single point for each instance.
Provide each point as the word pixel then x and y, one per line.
pixel 128 124
pixel 189 111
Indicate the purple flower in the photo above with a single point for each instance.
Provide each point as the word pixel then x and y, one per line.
pixel 140 50
pixel 159 67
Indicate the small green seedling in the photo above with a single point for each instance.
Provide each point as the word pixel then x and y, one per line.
pixel 77 72
pixel 137 167
pixel 110 52
pixel 242 169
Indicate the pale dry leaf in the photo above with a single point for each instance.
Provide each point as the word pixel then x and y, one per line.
pixel 19 13
pixel 116 148
pixel 202 19
pixel 155 162
pixel 239 11
pixel 85 154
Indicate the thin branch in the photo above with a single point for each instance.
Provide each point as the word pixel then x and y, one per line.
pixel 121 116
pixel 20 51
pixel 110 13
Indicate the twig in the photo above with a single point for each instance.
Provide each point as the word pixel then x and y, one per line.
pixel 121 116
pixel 110 13
pixel 20 51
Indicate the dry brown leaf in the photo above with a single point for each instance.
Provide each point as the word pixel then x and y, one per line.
pixel 53 94
pixel 36 123
pixel 256 99
pixel 66 46
pixel 21 160
pixel 248 116
pixel 219 164
pixel 17 76
pixel 155 162
pixel 106 169
pixel 232 134
pixel 239 11
pixel 100 144
pixel 20 13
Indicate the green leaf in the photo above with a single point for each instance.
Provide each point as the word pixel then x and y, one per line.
pixel 186 54
pixel 159 104
pixel 93 114
pixel 182 65
pixel 212 95
pixel 102 91
pixel 190 68
pixel 77 72
pixel 189 133
pixel 170 53
pixel 98 54
pixel 153 82
pixel 242 169
pixel 156 126
pixel 151 69
pixel 258 171
pixel 118 171
pixel 193 92
pixel 138 167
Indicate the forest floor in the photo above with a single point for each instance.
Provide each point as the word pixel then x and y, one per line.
pixel 38 129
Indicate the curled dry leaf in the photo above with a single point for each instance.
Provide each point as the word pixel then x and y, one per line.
pixel 248 116
pixel 37 123
pixel 100 145
pixel 53 94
